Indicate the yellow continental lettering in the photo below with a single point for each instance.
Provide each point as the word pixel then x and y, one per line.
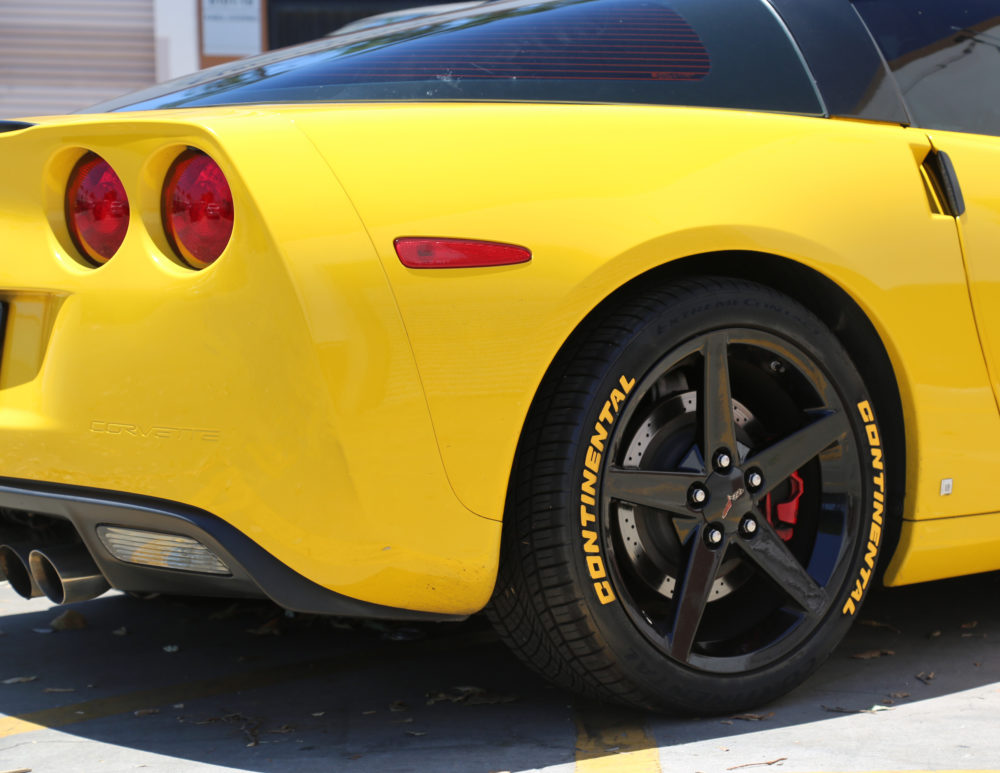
pixel 878 500
pixel 604 593
pixel 870 557
pixel 595 565
pixel 600 435
pixel 588 488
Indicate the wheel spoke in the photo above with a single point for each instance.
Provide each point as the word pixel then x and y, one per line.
pixel 770 553
pixel 717 398
pixel 702 568
pixel 660 490
pixel 788 455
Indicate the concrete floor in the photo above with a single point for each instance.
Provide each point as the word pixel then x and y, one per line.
pixel 206 685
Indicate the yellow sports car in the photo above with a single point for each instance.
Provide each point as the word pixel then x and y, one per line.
pixel 646 325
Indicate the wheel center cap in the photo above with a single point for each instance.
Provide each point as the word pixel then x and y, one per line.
pixel 729 496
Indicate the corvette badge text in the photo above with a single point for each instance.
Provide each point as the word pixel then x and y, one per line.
pixel 154 431
pixel 588 492
pixel 878 507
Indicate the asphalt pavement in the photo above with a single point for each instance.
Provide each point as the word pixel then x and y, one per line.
pixel 179 685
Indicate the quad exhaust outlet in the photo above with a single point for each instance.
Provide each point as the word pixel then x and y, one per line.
pixel 66 574
pixel 14 569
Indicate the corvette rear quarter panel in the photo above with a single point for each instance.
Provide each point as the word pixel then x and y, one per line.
pixel 275 389
pixel 601 195
pixel 358 419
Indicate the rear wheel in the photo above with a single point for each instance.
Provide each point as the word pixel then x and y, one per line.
pixel 695 510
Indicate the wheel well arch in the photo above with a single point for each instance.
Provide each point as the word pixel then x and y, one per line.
pixel 836 309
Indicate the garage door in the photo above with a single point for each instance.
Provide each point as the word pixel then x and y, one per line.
pixel 57 56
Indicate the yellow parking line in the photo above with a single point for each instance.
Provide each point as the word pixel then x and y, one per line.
pixel 610 739
pixel 72 714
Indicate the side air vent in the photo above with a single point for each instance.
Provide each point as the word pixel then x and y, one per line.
pixel 944 194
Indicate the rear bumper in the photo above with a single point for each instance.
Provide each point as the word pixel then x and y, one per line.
pixel 253 571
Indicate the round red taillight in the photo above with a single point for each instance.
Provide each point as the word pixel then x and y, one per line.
pixel 96 209
pixel 197 209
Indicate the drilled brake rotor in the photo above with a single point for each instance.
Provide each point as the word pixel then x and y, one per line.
pixel 666 439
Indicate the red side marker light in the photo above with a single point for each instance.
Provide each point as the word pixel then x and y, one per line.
pixel 97 212
pixel 415 252
pixel 197 209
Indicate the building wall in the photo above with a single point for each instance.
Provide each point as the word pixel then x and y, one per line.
pixel 57 56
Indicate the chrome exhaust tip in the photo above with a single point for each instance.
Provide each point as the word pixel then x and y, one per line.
pixel 67 574
pixel 14 569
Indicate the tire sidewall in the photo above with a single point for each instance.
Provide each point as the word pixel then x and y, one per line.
pixel 688 315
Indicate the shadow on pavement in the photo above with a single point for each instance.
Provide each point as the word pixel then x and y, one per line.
pixel 183 683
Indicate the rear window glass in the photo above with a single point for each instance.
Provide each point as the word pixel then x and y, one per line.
pixel 724 53
pixel 945 57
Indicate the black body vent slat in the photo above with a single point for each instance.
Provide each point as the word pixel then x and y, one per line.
pixel 13 126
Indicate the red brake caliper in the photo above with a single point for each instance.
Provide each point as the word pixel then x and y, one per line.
pixel 784 515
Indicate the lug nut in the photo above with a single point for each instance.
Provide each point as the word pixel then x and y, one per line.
pixel 723 460
pixel 754 480
pixel 698 495
pixel 748 527
pixel 713 536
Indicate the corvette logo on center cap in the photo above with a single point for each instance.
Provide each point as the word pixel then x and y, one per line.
pixel 730 498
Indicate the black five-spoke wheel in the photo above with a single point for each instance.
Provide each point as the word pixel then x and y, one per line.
pixel 689 518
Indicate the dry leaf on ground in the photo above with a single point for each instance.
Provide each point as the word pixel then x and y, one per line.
pixel 70 620
pixel 841 710
pixel 872 654
pixel 271 628
pixel 469 695
pixel 753 717
pixel 756 764
pixel 879 624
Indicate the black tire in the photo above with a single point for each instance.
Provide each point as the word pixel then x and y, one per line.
pixel 611 582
